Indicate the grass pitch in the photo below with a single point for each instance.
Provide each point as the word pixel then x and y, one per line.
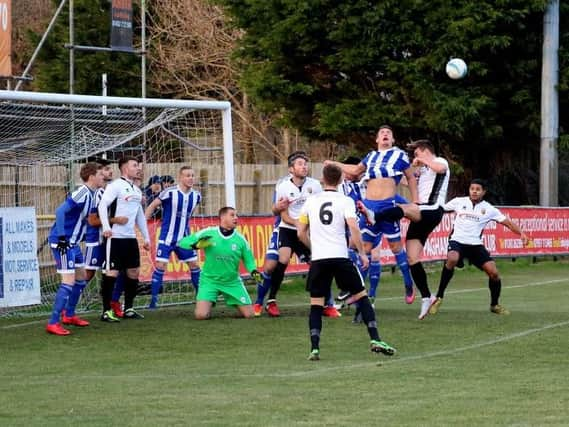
pixel 464 366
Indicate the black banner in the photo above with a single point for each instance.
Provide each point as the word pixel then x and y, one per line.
pixel 121 25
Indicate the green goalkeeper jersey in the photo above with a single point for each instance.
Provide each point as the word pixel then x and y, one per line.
pixel 223 255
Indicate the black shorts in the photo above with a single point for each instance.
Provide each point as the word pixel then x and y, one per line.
pixel 289 239
pixel 122 254
pixel 476 254
pixel 429 220
pixel 343 270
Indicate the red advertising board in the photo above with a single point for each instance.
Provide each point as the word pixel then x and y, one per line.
pixel 548 229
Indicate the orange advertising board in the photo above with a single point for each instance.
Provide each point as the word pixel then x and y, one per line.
pixel 548 229
pixel 5 38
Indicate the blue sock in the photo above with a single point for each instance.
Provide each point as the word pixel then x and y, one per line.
pixel 157 277
pixel 263 288
pixel 330 301
pixel 374 275
pixel 119 287
pixel 60 302
pixel 74 297
pixel 195 276
pixel 401 259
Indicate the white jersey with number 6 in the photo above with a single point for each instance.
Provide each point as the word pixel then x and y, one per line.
pixel 326 213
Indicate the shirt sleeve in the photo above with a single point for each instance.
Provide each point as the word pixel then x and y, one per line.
pixel 60 214
pixel 142 224
pixel 349 208
pixel 450 206
pixel 495 214
pixel 109 196
pixel 188 241
pixel 248 258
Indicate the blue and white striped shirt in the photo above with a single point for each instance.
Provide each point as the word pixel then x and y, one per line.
pixel 177 208
pixel 71 216
pixel 386 164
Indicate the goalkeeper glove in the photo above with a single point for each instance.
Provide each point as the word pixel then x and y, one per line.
pixel 203 242
pixel 256 276
pixel 62 245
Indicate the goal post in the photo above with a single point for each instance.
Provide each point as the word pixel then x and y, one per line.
pixel 108 101
pixel 45 137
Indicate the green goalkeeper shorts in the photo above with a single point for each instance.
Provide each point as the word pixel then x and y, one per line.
pixel 234 293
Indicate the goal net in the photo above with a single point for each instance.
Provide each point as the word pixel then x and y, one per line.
pixel 44 139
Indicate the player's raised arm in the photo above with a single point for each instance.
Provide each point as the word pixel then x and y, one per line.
pixel 516 229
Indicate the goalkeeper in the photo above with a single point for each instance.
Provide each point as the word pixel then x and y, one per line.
pixel 224 249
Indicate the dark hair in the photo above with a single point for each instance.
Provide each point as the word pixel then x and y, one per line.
pixel 124 160
pixel 422 144
pixel 351 160
pixel 167 178
pixel 332 174
pixel 224 210
pixel 385 127
pixel 100 160
pixel 481 182
pixel 89 169
pixel 154 179
pixel 296 155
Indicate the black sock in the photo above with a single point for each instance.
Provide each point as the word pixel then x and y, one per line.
pixel 276 279
pixel 390 214
pixel 107 286
pixel 446 275
pixel 130 288
pixel 368 316
pixel 420 279
pixel 315 325
pixel 495 289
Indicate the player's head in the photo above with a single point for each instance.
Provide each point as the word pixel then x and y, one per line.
pixel 155 184
pixel 92 174
pixel 186 177
pixel 107 169
pixel 298 164
pixel 477 189
pixel 167 181
pixel 420 146
pixel 331 175
pixel 129 167
pixel 385 137
pixel 228 217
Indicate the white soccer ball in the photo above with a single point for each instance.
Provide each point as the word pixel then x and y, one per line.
pixel 456 68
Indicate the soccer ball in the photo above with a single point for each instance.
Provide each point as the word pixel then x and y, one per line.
pixel 456 68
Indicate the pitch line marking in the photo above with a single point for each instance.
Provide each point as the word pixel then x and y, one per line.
pixel 459 291
pixel 367 365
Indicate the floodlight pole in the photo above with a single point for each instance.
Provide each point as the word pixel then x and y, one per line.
pixel 549 160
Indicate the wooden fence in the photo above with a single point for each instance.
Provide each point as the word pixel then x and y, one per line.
pixel 44 187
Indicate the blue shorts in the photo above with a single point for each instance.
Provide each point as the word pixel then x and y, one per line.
pixel 273 248
pixel 391 229
pixel 72 259
pixel 94 256
pixel 184 255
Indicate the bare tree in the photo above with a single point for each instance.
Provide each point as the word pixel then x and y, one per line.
pixel 190 46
